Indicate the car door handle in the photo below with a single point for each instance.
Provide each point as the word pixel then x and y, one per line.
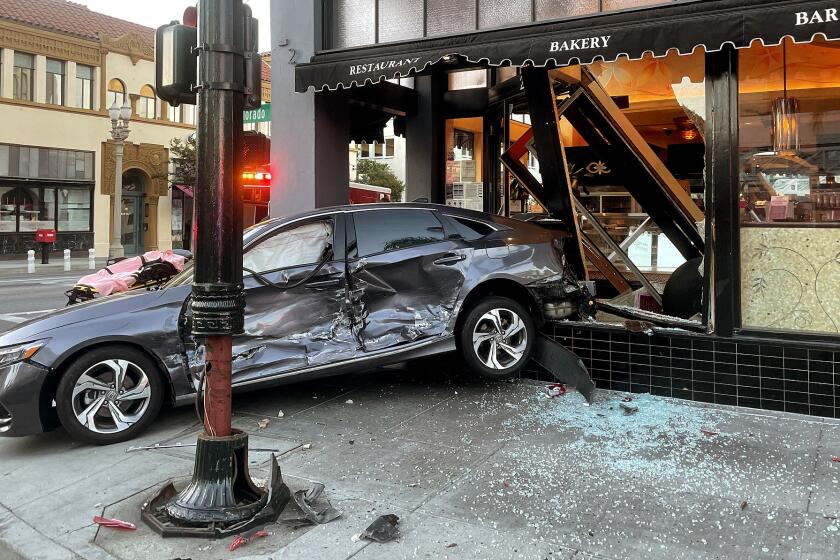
pixel 451 258
pixel 329 283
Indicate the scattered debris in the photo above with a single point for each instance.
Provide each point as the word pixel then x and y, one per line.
pixel 744 505
pixel 564 365
pixel 114 523
pixel 280 414
pixel 628 407
pixel 158 446
pixel 348 401
pixel 352 441
pixel 451 545
pixel 312 514
pixel 245 538
pixel 414 485
pixel 306 446
pixel 555 390
pixel 263 424
pixel 382 530
pixel 97 505
pixel 708 432
pixel 628 398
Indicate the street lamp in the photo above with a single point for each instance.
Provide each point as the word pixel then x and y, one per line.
pixel 120 116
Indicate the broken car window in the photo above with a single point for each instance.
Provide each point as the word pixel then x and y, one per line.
pixel 298 246
pixel 378 231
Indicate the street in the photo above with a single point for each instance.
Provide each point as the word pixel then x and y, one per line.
pixel 25 296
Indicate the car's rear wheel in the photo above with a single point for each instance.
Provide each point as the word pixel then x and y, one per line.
pixel 109 394
pixel 496 337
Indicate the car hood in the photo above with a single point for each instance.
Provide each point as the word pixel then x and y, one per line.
pixel 109 306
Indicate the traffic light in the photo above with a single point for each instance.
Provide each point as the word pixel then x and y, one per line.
pixel 176 60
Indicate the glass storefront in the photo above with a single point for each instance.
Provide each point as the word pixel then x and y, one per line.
pixel 45 188
pixel 789 130
pixel 464 158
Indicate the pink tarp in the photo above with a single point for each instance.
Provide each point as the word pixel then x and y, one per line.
pixel 122 275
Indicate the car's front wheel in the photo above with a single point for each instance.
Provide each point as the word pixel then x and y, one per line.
pixel 496 337
pixel 109 395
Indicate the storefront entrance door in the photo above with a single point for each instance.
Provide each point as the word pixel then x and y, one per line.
pixel 132 223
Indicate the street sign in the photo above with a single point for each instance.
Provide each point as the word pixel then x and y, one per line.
pixel 262 114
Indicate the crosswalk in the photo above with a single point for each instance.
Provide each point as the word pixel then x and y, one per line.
pixel 40 280
pixel 21 316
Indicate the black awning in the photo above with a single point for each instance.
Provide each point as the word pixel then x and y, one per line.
pixel 681 26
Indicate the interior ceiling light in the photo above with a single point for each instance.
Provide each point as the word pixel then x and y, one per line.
pixel 785 114
pixel 686 129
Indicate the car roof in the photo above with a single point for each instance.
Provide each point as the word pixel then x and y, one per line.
pixel 451 210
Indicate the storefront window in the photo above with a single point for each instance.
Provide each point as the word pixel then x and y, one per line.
pixel 36 206
pixel 664 100
pixel 464 181
pixel 789 130
pixel 8 210
pixel 74 205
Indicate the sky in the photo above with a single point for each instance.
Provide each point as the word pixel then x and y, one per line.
pixel 154 13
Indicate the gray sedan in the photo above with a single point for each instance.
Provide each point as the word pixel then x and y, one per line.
pixel 330 291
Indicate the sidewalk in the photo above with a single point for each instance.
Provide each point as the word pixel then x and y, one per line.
pixel 473 470
pixel 18 267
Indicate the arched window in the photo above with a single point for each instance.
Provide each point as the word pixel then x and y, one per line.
pixel 116 92
pixel 147 104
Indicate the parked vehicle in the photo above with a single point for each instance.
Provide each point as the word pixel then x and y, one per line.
pixel 330 291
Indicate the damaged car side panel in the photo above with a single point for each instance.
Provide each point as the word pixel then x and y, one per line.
pixel 403 289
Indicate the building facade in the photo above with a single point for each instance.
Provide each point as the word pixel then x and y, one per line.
pixel 61 68
pixel 690 148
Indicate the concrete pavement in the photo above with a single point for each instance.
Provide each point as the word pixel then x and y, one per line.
pixel 473 470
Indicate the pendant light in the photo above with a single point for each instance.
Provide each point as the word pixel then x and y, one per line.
pixel 785 113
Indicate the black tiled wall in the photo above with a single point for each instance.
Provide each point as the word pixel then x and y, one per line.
pixel 792 377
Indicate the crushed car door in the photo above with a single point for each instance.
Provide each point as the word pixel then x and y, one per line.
pixel 405 275
pixel 295 314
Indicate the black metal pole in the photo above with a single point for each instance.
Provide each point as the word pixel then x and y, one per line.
pixel 221 498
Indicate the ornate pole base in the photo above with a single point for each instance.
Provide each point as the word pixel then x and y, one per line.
pixel 221 499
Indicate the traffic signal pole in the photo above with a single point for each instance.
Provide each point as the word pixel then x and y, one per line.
pixel 221 498
pixel 217 301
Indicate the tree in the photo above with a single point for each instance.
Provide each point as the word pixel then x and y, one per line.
pixel 183 156
pixel 372 172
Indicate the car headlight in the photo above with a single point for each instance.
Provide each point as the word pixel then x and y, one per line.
pixel 14 354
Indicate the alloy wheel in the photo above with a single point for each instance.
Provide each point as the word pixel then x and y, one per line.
pixel 500 338
pixel 111 396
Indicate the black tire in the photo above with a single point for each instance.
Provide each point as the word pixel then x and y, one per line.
pixel 477 360
pixel 100 367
